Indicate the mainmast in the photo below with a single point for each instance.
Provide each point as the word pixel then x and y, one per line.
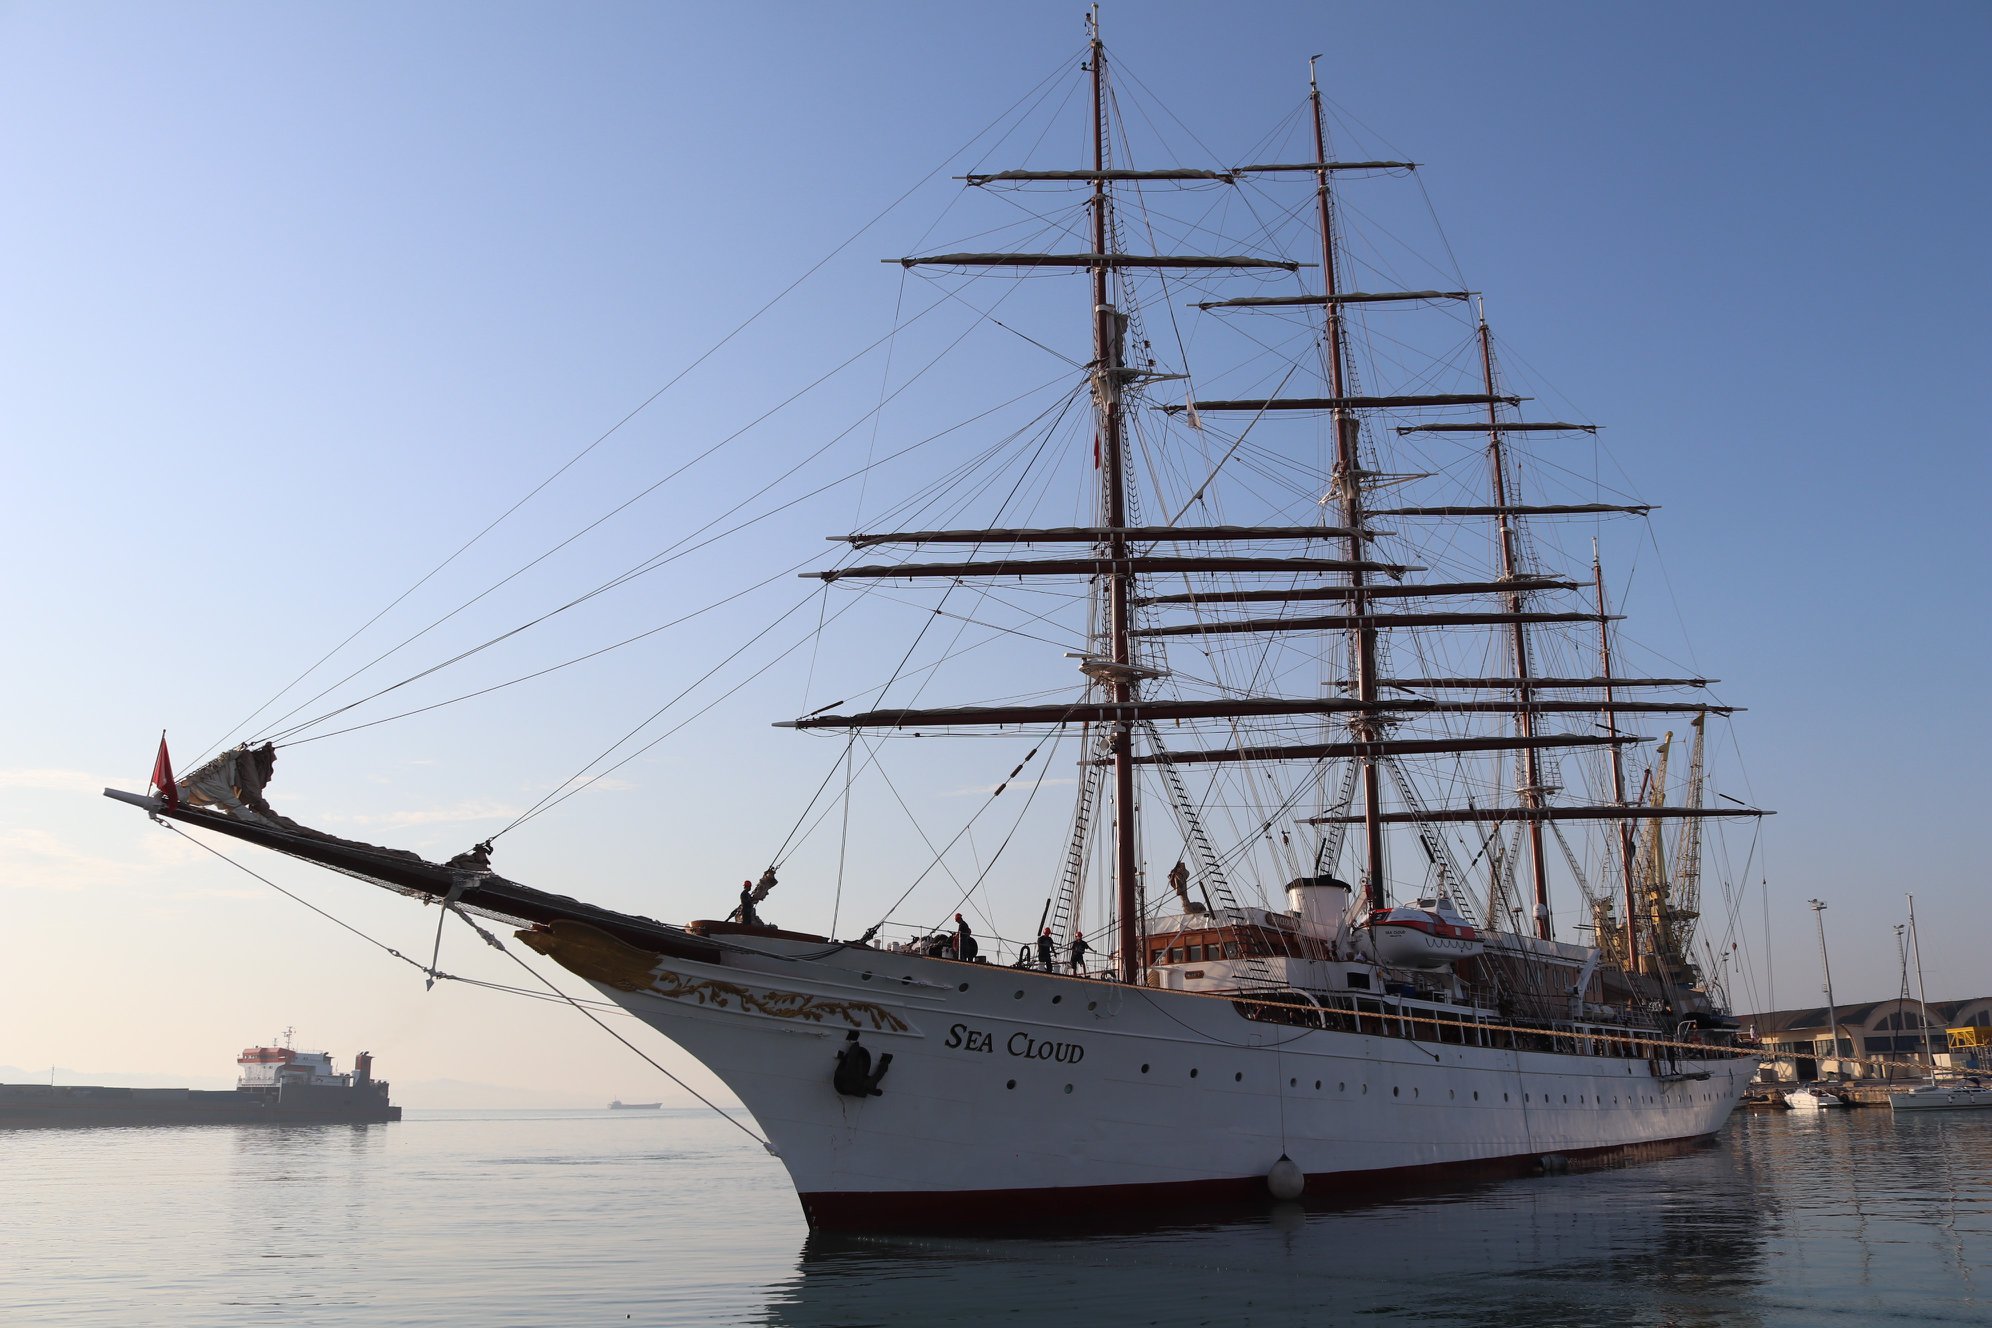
pixel 1531 790
pixel 1109 329
pixel 1348 484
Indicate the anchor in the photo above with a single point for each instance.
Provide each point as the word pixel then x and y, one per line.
pixel 854 1076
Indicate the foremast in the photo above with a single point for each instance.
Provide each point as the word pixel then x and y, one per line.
pixel 1119 676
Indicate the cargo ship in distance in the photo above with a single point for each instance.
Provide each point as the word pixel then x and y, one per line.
pixel 278 1085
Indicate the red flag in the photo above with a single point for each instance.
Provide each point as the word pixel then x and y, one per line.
pixel 162 775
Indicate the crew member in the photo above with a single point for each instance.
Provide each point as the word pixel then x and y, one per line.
pixel 1079 949
pixel 1044 950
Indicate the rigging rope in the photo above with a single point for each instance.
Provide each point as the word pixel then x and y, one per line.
pixel 1038 92
pixel 434 974
pixel 721 1112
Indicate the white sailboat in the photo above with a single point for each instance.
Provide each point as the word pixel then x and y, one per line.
pixel 1962 1093
pixel 1452 702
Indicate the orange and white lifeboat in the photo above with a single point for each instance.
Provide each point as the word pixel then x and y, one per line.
pixel 1425 934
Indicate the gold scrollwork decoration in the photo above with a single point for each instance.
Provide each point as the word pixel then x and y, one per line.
pixel 594 954
pixel 777 1004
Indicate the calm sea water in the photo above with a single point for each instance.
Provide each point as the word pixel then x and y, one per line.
pixel 505 1219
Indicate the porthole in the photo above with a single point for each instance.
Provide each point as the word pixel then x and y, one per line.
pixel 1144 1069
pixel 1393 1090
pixel 1342 1087
pixel 1056 999
pixel 1068 1088
pixel 1476 1095
pixel 864 977
pixel 1365 1090
pixel 1011 1084
pixel 1238 1078
pixel 1566 1099
pixel 1414 1092
pixel 1293 1083
pixel 1450 1095
pixel 1193 1074
pixel 1317 1085
pixel 963 987
pixel 1019 996
pixel 1092 1005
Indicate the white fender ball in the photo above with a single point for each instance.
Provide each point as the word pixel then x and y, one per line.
pixel 1286 1180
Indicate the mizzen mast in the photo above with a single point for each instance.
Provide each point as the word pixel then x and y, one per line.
pixel 1631 939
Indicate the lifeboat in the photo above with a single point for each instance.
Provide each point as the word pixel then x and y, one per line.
pixel 1426 934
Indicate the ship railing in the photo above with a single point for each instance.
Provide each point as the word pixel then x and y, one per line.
pixel 1379 1018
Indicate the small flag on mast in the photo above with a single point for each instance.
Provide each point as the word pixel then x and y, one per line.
pixel 162 774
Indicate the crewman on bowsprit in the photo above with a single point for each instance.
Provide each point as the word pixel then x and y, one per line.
pixel 1044 950
pixel 965 946
pixel 746 911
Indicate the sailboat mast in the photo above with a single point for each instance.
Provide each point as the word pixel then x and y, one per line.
pixel 1349 488
pixel 1531 791
pixel 1618 768
pixel 1109 326
pixel 1922 992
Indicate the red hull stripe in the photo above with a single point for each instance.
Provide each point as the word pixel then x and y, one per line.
pixel 858 1210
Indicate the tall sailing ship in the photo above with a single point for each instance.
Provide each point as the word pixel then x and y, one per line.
pixel 1336 761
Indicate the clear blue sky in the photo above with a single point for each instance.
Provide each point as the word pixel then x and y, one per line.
pixel 294 300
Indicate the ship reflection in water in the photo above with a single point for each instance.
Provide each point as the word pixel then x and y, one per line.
pixel 1558 1249
pixel 1843 1219
pixel 525 1219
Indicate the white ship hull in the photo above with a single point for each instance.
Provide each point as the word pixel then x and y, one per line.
pixel 1014 1092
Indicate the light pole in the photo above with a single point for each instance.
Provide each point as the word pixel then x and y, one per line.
pixel 1832 1015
